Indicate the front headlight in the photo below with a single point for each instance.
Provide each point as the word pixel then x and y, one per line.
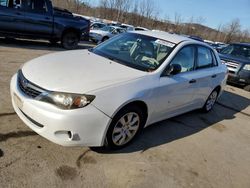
pixel 67 100
pixel 246 67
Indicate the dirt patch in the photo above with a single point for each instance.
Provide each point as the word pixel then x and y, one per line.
pixel 7 114
pixel 219 127
pixel 1 153
pixel 194 173
pixel 66 172
pixel 83 158
pixel 18 134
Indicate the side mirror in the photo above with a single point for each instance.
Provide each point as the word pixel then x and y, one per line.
pixel 173 70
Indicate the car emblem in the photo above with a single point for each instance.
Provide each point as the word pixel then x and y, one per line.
pixel 25 83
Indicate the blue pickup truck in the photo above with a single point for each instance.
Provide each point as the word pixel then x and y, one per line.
pixel 38 19
pixel 237 58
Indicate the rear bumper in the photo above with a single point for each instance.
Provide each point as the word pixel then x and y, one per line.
pixel 81 127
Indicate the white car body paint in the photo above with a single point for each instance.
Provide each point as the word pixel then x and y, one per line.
pixel 114 86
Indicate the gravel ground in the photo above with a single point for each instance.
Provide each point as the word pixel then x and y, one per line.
pixel 191 150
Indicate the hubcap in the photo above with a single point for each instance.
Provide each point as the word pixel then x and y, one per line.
pixel 126 128
pixel 71 40
pixel 211 100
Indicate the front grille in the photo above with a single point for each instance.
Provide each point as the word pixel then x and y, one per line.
pixel 28 88
pixel 232 65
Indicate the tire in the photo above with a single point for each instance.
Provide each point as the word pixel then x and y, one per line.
pixel 121 134
pixel 105 38
pixel 247 88
pixel 70 40
pixel 212 98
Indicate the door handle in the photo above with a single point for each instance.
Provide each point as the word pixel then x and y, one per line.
pixel 192 81
pixel 214 76
pixel 47 18
pixel 18 13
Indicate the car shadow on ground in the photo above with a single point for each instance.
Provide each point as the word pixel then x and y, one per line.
pixel 185 125
pixel 39 44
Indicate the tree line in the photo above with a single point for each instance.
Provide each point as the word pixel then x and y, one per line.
pixel 145 13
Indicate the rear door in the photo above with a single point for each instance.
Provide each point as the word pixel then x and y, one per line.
pixel 207 67
pixel 39 18
pixel 11 17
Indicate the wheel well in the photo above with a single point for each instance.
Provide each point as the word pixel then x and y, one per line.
pixel 72 30
pixel 218 88
pixel 105 37
pixel 142 105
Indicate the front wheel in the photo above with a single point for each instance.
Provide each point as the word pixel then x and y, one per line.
pixel 70 40
pixel 208 106
pixel 125 126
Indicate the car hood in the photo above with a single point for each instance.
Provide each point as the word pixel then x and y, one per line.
pixel 234 58
pixel 78 71
pixel 99 32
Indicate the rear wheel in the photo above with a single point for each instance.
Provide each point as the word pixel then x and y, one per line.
pixel 208 106
pixel 125 126
pixel 70 40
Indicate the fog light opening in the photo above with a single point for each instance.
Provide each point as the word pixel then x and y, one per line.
pixel 70 135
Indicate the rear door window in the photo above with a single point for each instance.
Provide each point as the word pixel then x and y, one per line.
pixel 35 6
pixel 204 58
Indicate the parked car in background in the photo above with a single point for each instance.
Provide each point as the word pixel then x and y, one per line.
pixel 108 94
pixel 127 27
pixel 237 58
pixel 37 19
pixel 105 33
pixel 141 29
pixel 97 25
pixel 219 46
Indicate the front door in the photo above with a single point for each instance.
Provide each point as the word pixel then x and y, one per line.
pixel 175 93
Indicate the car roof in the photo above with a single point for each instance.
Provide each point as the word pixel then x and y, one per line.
pixel 116 27
pixel 174 38
pixel 127 25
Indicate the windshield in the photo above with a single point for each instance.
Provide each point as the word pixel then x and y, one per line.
pixel 135 50
pixel 107 28
pixel 237 50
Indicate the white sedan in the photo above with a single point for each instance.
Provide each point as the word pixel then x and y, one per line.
pixel 108 94
pixel 105 33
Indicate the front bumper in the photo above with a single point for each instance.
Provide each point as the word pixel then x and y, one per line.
pixel 80 127
pixel 238 79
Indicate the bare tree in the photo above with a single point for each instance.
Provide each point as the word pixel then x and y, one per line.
pixel 232 29
pixel 177 23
